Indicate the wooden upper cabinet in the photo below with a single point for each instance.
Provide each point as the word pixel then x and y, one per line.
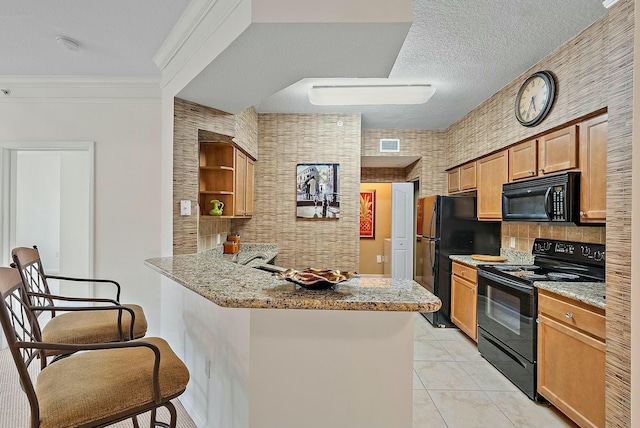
pixel 558 151
pixel 523 160
pixel 593 168
pixel 454 180
pixel 462 178
pixel 468 176
pixel 493 172
pixel 216 177
pixel 244 184
pixel 225 174
pixel 249 186
pixel 240 186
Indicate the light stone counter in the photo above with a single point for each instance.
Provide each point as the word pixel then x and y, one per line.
pixel 232 285
pixel 255 367
pixel 514 257
pixel 591 293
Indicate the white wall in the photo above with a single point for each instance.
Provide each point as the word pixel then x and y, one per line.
pixel 125 124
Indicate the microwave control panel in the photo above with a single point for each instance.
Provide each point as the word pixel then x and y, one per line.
pixel 558 211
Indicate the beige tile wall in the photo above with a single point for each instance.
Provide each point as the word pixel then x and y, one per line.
pixel 286 140
pixel 382 175
pixel 430 145
pixel 525 233
pixel 190 234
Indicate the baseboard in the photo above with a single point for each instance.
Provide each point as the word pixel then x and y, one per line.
pixel 192 413
pixel 371 275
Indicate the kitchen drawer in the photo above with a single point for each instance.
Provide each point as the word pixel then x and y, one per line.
pixel 464 271
pixel 589 321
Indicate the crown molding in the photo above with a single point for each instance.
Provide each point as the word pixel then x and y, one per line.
pixel 609 3
pixel 80 88
pixel 199 22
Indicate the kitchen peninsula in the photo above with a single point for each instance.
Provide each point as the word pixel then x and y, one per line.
pixel 264 353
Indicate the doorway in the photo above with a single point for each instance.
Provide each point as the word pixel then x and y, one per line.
pixel 47 194
pixel 393 213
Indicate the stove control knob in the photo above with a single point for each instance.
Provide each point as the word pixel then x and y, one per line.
pixel 598 256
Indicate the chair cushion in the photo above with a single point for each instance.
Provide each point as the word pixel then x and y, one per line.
pixel 94 385
pixel 93 327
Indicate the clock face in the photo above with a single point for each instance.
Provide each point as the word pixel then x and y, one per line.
pixel 534 99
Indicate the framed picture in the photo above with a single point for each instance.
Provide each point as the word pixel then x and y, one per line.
pixel 367 214
pixel 318 191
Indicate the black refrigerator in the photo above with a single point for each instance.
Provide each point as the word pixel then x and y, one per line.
pixel 449 225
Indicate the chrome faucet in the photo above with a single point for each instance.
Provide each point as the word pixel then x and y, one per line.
pixel 263 256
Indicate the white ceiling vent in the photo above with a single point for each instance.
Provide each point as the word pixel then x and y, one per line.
pixel 388 145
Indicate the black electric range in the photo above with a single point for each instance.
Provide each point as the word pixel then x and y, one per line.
pixel 508 303
pixel 557 261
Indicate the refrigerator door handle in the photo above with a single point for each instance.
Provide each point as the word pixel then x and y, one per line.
pixel 432 259
pixel 432 234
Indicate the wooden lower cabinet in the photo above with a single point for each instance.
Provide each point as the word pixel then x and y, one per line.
pixel 464 298
pixel 571 358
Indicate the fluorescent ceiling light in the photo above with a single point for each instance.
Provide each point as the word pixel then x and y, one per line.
pixel 370 94
pixel 609 3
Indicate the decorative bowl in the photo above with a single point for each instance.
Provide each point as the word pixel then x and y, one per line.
pixel 316 279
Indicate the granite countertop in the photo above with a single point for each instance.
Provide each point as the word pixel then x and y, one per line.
pixel 232 285
pixel 591 293
pixel 514 257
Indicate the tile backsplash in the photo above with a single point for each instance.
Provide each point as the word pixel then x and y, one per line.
pixel 525 233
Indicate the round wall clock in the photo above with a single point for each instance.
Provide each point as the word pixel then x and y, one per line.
pixel 535 98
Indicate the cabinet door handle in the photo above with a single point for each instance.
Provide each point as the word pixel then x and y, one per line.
pixel 538 321
pixel 541 169
pixel 568 315
pixel 583 214
pixel 530 172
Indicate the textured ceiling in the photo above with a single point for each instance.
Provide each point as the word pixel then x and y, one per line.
pixel 467 49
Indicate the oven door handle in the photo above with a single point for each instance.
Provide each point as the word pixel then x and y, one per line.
pixel 548 204
pixel 505 282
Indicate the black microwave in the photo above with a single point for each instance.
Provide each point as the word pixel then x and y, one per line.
pixel 554 198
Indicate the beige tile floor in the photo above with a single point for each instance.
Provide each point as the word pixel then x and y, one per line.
pixel 454 387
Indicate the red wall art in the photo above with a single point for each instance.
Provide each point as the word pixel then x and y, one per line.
pixel 367 213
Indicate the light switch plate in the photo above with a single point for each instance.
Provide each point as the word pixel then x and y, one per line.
pixel 379 259
pixel 512 242
pixel 185 207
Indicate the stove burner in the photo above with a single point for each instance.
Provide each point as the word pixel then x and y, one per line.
pixel 533 277
pixel 560 275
